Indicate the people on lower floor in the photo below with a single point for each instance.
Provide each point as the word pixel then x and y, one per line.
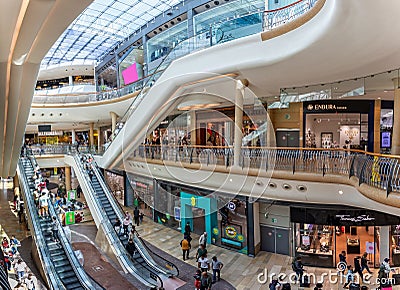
pixel 216 268
pixel 364 263
pixel 185 248
pixel 206 281
pixel 349 276
pixel 203 263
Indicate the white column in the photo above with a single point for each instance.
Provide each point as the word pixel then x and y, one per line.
pixel 70 81
pixel 113 123
pixel 238 135
pixel 99 138
pixel 193 127
pixel 91 134
pixel 73 136
pixel 396 124
pixel 384 243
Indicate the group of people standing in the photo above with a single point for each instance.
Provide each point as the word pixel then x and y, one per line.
pixel 361 264
pixel 203 279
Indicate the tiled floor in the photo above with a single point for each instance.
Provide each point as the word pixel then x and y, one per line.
pixel 240 270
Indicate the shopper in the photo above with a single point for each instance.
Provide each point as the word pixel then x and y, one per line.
pixel 141 215
pixel 54 229
pixel 127 221
pixel 185 248
pixel 130 247
pixel 20 268
pixel 200 252
pixel 298 268
pixel 203 263
pixel 136 215
pixel 203 239
pixel 342 260
pixel 188 229
pixel 206 281
pixel 364 263
pixel 349 276
pixel 216 268
pixel 29 282
pixel 357 267
pixel 197 279
pixel 117 226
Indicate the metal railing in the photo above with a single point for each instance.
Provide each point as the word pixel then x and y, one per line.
pixel 144 275
pixel 52 278
pixel 277 17
pixel 154 260
pixel 376 170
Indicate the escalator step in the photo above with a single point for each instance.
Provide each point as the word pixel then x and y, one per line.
pixel 61 263
pixel 75 286
pixel 70 280
pixel 66 271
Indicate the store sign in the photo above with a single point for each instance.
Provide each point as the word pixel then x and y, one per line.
pixel 69 218
pixel 231 205
pixel 51 133
pixel 325 107
pixel 355 219
pixel 231 232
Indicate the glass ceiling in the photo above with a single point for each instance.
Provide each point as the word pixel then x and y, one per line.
pixel 101 26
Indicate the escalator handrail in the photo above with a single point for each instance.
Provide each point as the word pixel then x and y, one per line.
pixel 44 255
pixel 77 267
pixel 120 213
pixel 114 240
pixel 112 232
pixel 154 253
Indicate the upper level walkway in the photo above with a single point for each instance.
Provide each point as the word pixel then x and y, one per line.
pixel 351 177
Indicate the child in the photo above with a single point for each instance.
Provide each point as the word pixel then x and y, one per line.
pixel 197 279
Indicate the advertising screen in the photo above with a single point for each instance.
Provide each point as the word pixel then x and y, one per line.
pixel 130 74
pixel 385 140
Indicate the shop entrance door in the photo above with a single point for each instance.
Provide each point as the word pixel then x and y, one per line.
pixel 282 241
pixel 287 138
pixel 199 222
pixel 268 239
pixel 275 240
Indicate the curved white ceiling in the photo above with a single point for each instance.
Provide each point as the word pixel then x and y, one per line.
pixel 28 29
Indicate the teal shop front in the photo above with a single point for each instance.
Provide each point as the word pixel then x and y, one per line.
pixel 225 225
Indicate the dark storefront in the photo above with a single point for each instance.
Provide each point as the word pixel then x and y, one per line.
pixel 320 234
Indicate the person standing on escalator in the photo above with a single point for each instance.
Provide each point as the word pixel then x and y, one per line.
pixel 130 247
pixel 136 215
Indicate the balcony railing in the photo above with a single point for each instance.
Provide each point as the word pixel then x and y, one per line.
pixel 376 170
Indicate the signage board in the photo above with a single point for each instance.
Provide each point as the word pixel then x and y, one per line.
pixel 177 213
pixel 69 218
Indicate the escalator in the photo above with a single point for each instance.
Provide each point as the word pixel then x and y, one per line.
pixel 59 263
pixel 144 259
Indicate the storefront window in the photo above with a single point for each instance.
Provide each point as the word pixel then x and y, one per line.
pixel 348 131
pixel 395 245
pixel 116 184
pixel 315 244
pixel 232 226
pixel 143 194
